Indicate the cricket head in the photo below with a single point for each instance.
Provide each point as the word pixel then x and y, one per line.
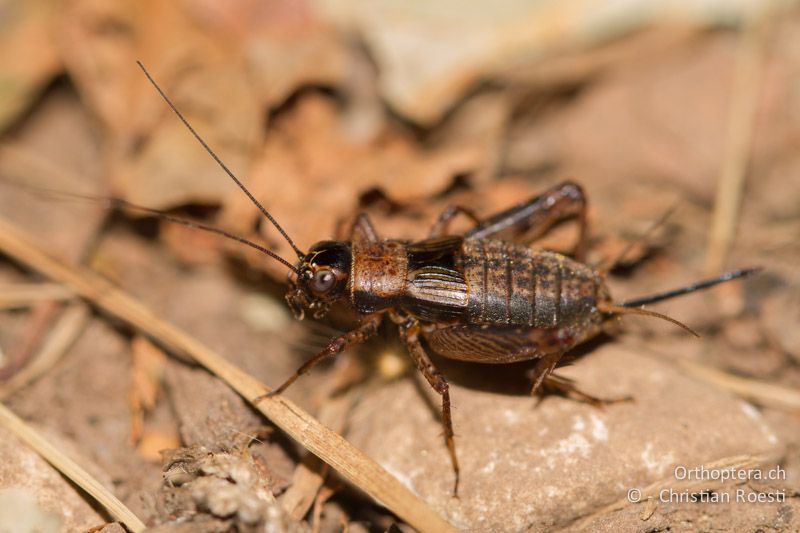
pixel 319 279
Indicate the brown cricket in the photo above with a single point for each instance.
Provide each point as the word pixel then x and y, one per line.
pixel 483 296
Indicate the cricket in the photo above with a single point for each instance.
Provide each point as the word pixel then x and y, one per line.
pixel 484 296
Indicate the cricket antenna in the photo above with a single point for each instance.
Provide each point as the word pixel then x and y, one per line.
pixel 204 227
pixel 118 203
pixel 697 286
pixel 222 165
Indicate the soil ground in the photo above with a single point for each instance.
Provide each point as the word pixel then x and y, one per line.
pixel 318 121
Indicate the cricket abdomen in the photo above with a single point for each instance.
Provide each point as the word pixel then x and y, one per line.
pixel 515 285
pixel 477 282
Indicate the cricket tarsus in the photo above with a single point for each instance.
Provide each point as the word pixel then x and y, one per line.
pixel 222 165
pixel 567 388
pixel 697 286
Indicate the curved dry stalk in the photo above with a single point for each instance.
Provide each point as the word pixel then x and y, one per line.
pixel 65 332
pixel 650 493
pixel 70 469
pixel 761 392
pixel 345 458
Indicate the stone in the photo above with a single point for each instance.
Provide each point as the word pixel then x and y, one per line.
pixel 35 497
pixel 528 466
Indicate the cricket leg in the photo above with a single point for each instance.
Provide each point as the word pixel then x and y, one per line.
pixel 536 216
pixel 367 329
pixel 409 334
pixel 568 388
pixel 363 230
pixel 545 380
pixel 544 367
pixel 442 223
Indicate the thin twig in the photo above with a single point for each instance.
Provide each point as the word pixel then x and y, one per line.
pixel 350 462
pixel 70 469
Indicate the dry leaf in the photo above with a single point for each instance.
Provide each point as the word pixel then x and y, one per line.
pixel 25 26
pixel 147 373
pixel 310 175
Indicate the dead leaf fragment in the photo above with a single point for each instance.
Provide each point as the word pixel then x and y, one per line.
pixel 25 26
pixel 147 373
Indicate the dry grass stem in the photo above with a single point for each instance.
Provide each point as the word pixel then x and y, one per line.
pixel 310 473
pixel 65 332
pixel 744 102
pixel 70 469
pixel 20 295
pixel 351 463
pixel 762 393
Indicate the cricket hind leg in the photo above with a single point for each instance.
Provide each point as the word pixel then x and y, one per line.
pixel 534 217
pixel 362 229
pixel 554 383
pixel 442 224
pixel 496 345
pixel 409 334
pixel 368 328
pixel 546 382
pixel 543 369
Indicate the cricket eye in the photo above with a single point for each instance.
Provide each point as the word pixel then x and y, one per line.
pixel 323 281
